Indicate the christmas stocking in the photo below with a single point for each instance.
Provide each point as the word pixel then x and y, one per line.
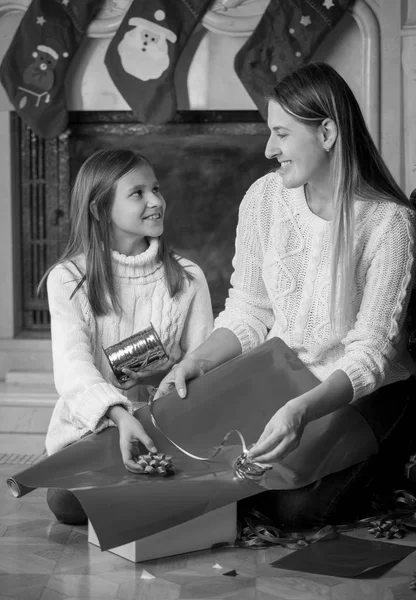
pixel 34 67
pixel 288 34
pixel 142 56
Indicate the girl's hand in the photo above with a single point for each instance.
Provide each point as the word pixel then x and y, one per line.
pixel 281 435
pixel 188 368
pixel 131 434
pixel 145 376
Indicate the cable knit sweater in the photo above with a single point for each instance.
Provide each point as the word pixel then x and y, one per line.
pixel 81 370
pixel 281 284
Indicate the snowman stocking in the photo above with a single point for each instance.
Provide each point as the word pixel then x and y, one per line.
pixel 287 35
pixel 34 67
pixel 142 56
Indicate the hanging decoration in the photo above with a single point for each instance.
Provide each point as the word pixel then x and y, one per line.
pixel 35 65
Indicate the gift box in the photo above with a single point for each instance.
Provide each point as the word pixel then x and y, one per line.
pixel 215 527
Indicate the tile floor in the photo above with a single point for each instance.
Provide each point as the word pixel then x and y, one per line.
pixel 41 559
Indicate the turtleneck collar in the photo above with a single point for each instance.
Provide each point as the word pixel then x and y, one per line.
pixel 144 266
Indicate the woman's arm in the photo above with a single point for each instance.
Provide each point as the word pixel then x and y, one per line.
pixel 221 346
pixel 248 311
pixel 375 342
pixel 284 431
pixel 248 314
pixel 370 346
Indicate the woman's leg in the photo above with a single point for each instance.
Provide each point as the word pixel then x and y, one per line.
pixel 66 507
pixel 346 495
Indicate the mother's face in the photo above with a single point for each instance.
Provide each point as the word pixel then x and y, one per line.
pixel 300 150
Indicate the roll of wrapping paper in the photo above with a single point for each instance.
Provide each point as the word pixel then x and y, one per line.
pixel 17 489
pixel 135 352
pixel 242 394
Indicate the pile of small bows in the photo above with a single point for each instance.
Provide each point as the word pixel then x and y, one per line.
pixel 387 528
pixel 155 464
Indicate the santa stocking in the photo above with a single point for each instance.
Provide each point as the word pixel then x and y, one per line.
pixel 34 67
pixel 142 56
pixel 288 34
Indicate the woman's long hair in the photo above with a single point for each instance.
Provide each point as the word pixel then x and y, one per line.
pixel 315 92
pixel 91 201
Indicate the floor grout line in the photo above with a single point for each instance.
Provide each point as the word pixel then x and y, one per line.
pixel 20 459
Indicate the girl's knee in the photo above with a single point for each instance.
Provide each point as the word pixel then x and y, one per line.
pixel 66 507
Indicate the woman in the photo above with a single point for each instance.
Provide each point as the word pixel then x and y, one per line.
pixel 324 260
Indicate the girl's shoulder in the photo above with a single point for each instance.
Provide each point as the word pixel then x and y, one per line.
pixel 67 272
pixel 191 268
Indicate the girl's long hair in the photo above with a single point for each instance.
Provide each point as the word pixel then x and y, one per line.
pixel 91 201
pixel 315 92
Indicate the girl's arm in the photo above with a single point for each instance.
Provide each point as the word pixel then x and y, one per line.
pixel 199 320
pixel 198 325
pixel 77 380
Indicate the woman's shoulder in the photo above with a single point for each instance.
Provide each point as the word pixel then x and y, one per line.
pixel 269 183
pixel 380 218
pixel 263 195
pixel 385 212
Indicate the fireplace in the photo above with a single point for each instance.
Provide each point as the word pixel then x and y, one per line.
pixel 204 160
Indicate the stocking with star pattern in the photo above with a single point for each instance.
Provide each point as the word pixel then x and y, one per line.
pixel 287 35
pixel 35 65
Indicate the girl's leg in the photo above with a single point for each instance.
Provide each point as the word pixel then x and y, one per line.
pixel 347 495
pixel 66 507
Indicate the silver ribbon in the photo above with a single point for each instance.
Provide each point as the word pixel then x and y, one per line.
pixel 243 467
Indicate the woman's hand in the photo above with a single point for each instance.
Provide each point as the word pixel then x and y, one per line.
pixel 188 368
pixel 284 431
pixel 281 435
pixel 149 376
pixel 131 434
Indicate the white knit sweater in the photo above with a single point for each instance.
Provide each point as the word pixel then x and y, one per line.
pixel 81 370
pixel 281 284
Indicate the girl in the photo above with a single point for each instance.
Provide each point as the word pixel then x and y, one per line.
pixel 115 277
pixel 325 260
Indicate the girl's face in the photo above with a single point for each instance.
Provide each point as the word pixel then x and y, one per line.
pixel 299 149
pixel 137 211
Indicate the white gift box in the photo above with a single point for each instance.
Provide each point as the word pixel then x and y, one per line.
pixel 216 526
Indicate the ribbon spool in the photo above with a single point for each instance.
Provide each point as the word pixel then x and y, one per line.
pixel 135 352
pixel 243 467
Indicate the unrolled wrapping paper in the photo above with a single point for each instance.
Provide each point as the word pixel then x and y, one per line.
pixel 242 394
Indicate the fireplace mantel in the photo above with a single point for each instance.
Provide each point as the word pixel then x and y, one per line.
pixel 373 48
